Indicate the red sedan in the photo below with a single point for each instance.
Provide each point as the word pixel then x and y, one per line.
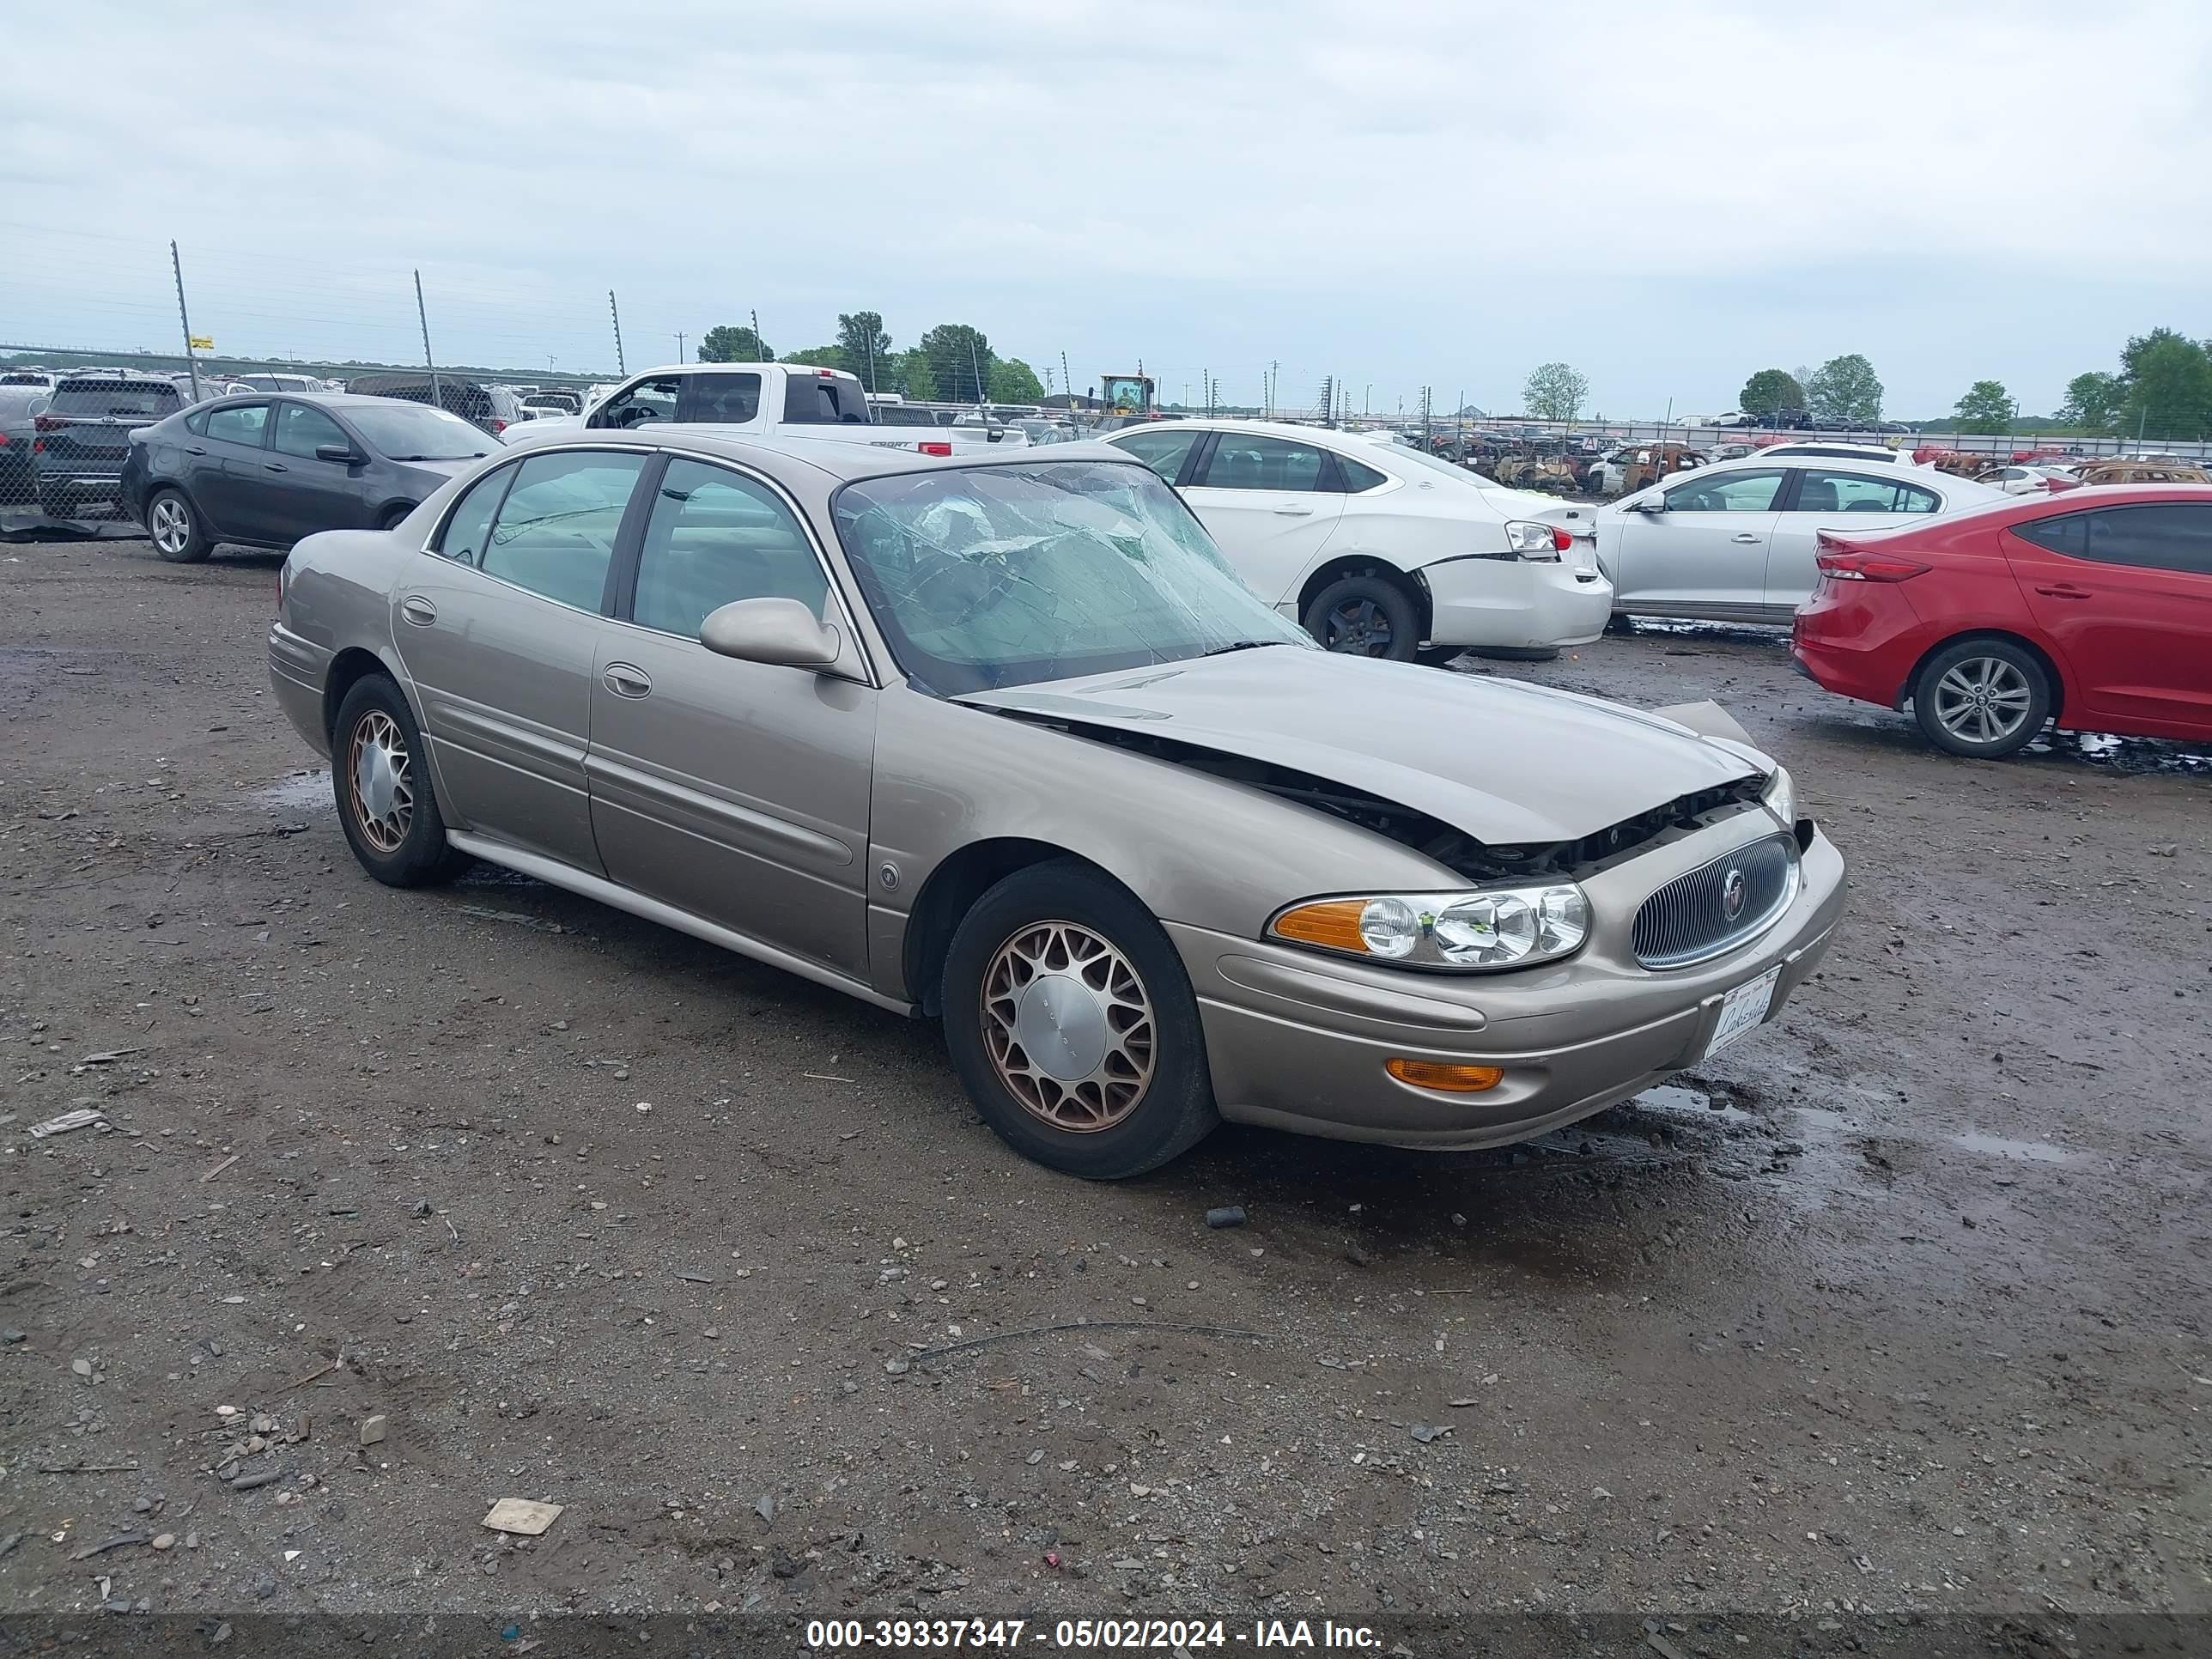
pixel 2093 608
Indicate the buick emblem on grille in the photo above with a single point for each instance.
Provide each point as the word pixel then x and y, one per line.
pixel 1732 888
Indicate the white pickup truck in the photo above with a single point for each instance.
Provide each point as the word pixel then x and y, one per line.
pixel 764 400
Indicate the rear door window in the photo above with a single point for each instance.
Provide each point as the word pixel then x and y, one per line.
pixel 555 534
pixel 1252 460
pixel 724 399
pixel 823 400
pixel 1819 491
pixel 2157 536
pixel 239 423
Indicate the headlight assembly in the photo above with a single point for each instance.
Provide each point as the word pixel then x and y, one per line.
pixel 1780 797
pixel 1490 928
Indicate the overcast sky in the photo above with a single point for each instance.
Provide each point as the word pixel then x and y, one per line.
pixel 1668 197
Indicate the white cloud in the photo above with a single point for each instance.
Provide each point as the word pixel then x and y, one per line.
pixel 1393 188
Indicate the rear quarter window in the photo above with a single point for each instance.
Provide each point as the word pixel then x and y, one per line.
pixel 821 400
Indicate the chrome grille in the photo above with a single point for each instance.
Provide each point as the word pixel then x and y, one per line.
pixel 1688 920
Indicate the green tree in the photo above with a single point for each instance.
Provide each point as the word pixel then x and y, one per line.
pixel 959 360
pixel 1986 409
pixel 2169 387
pixel 868 348
pixel 915 376
pixel 1769 390
pixel 822 357
pixel 1013 381
pixel 2093 400
pixel 1555 392
pixel 733 344
pixel 1845 389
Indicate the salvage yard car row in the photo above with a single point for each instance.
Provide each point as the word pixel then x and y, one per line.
pixel 907 719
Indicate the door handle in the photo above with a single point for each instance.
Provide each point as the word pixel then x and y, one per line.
pixel 274 466
pixel 1748 538
pixel 191 449
pixel 418 611
pixel 626 681
pixel 1292 510
pixel 2065 591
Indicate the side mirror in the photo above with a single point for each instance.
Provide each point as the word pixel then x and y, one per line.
pixel 338 452
pixel 1649 504
pixel 783 633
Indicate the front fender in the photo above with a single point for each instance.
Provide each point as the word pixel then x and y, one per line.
pixel 1194 847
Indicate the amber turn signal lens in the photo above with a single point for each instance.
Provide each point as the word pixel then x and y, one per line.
pixel 1451 1079
pixel 1333 922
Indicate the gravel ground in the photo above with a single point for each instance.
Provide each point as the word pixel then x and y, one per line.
pixel 1898 1306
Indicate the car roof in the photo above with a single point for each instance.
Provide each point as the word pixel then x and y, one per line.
pixel 838 460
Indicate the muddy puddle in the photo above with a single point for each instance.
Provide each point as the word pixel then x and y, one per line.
pixel 303 792
pixel 2019 1151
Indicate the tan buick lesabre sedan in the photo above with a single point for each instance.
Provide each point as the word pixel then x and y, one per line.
pixel 1003 742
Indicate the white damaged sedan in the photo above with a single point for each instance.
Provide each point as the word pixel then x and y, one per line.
pixel 1379 550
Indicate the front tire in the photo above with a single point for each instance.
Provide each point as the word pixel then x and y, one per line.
pixel 1073 1026
pixel 395 516
pixel 386 804
pixel 1984 699
pixel 1365 616
pixel 174 527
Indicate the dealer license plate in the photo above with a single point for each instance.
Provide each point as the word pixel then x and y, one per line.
pixel 1743 1009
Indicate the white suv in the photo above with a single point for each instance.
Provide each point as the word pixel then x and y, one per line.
pixel 1379 549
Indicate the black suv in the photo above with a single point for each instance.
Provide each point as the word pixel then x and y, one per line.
pixel 491 409
pixel 82 438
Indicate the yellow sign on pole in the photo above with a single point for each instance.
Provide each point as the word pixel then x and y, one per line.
pixel 201 342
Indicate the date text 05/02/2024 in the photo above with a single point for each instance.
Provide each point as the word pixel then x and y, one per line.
pixel 1290 1635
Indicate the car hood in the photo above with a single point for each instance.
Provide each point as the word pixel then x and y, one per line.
pixel 1505 763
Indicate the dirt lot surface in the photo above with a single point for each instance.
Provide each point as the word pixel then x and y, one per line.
pixel 1900 1305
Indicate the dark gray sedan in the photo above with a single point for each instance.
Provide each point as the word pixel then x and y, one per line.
pixel 263 471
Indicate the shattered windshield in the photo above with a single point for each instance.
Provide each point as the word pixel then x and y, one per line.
pixel 990 576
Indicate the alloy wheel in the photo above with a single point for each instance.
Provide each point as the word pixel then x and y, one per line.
pixel 171 526
pixel 1068 1026
pixel 383 780
pixel 1359 627
pixel 1982 700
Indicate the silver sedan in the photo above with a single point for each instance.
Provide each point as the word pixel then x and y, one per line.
pixel 1003 741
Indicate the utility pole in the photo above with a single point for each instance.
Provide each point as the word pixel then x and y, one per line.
pixel 976 367
pixel 621 367
pixel 679 345
pixel 423 316
pixel 1067 381
pixel 177 265
pixel 1274 377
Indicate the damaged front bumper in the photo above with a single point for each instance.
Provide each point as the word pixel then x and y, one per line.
pixel 1298 1041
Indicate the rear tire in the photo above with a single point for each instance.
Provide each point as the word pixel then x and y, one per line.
pixel 1984 699
pixel 174 525
pixel 379 773
pixel 1365 616
pixel 1061 957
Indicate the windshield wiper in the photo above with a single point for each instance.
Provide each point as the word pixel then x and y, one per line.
pixel 1241 645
